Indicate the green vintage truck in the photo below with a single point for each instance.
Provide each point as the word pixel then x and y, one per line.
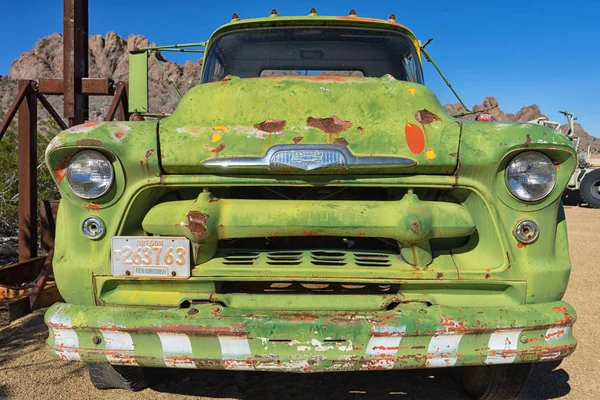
pixel 310 207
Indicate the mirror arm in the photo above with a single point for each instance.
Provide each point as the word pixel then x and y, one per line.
pixel 429 59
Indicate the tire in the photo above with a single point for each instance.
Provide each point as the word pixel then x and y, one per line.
pixel 106 376
pixel 496 382
pixel 590 188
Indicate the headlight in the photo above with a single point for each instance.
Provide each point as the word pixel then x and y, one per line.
pixel 531 176
pixel 89 174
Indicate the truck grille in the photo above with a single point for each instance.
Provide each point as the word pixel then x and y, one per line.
pixel 322 258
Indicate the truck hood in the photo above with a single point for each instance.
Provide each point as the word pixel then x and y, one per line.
pixel 319 124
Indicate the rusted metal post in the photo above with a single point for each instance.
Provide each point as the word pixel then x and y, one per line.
pixel 27 172
pixel 75 25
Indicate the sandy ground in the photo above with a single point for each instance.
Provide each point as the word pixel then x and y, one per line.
pixel 28 372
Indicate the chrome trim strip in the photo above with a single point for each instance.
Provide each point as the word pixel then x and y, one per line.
pixel 266 161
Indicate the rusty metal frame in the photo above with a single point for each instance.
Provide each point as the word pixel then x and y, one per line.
pixel 76 88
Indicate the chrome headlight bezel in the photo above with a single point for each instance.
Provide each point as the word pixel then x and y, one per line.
pixel 519 193
pixel 108 172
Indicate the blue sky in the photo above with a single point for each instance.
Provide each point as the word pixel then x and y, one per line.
pixel 522 52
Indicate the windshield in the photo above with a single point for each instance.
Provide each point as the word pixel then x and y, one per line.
pixel 256 52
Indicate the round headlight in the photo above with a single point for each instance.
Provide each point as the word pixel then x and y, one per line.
pixel 531 176
pixel 89 174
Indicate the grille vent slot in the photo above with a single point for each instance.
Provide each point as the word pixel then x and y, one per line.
pixel 372 260
pixel 241 258
pixel 285 258
pixel 331 258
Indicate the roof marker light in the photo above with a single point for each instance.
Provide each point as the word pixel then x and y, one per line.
pixel 392 18
pixel 313 12
pixel 352 13
pixel 274 13
pixel 235 17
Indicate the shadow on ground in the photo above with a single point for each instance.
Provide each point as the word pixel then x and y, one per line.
pixel 548 381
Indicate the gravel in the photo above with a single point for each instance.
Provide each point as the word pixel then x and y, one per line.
pixel 27 371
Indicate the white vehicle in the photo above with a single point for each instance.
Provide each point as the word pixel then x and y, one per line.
pixel 586 178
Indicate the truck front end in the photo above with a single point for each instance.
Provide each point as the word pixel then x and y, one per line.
pixel 311 207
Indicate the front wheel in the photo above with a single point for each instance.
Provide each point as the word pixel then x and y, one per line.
pixel 496 382
pixel 106 376
pixel 590 188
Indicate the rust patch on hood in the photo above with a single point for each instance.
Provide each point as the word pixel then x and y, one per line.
pixel 271 125
pixel 298 139
pixel 426 117
pixel 89 142
pixel 341 142
pixel 332 125
pixel 197 222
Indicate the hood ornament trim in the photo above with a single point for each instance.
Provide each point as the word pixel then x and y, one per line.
pixel 307 157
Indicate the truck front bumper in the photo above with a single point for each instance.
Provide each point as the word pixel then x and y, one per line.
pixel 214 337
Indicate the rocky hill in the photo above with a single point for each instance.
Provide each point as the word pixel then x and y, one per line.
pixel 109 58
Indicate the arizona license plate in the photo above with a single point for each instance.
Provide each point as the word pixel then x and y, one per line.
pixel 156 257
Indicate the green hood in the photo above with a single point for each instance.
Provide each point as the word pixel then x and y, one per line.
pixel 367 117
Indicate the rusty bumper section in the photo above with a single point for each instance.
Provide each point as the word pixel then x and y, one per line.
pixel 214 337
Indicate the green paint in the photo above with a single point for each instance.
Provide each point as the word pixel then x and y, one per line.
pixel 450 213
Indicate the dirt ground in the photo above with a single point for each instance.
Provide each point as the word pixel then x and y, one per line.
pixel 28 372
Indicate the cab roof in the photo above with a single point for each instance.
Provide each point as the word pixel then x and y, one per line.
pixel 313 20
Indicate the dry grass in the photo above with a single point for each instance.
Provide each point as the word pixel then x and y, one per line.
pixel 28 372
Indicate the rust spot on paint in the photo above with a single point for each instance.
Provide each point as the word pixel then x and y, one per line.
pixel 426 117
pixel 568 319
pixel 91 206
pixel 361 129
pixel 415 227
pixel 271 125
pixel 119 134
pixel 332 125
pixel 520 245
pixel 440 275
pixel 197 222
pixel 415 138
pixel 453 325
pixel 89 142
pixel 452 154
pixel 61 171
pixel 137 117
pixel 298 139
pixel 488 276
pixel 528 141
pixel 215 137
pixel 341 142
pixel 215 150
pixel 148 155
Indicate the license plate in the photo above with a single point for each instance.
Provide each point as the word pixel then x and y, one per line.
pixel 156 257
